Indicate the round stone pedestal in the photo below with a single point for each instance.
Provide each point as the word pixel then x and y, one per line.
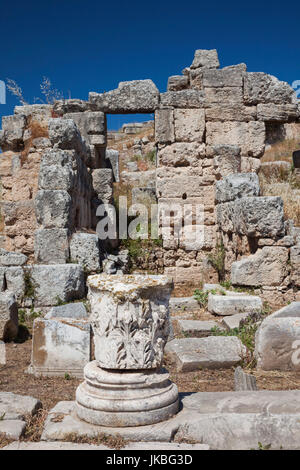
pixel 125 398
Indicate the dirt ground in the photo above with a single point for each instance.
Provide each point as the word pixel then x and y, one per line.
pixel 52 390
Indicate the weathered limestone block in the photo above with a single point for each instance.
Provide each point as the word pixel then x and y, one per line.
pixel 56 177
pixel 60 346
pixel 164 126
pixel 205 58
pixel 230 77
pixel 183 99
pixel 76 311
pixel 243 381
pixel 85 250
pixel 13 130
pixel 103 184
pixel 51 246
pixel 232 304
pixel 181 154
pixel 213 352
pixel 235 321
pixel 53 208
pixel 227 159
pixel 189 125
pixel 260 87
pixel 65 135
pixel 12 429
pixel 277 112
pixel 295 264
pixel 227 96
pixel 57 282
pixel 237 186
pixel 121 304
pixel 259 216
pixel 14 280
pixel 197 327
pixel 250 136
pixel 89 122
pixel 8 258
pixel 137 96
pixel 2 354
pixel 182 183
pixel 15 407
pixel 277 343
pixel 267 267
pixel 234 112
pixel 8 316
pixel 62 107
pixel 177 82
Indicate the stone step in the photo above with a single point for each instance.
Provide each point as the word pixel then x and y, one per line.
pixel 198 327
pixel 232 304
pixel 12 428
pixel 15 407
pixel 213 352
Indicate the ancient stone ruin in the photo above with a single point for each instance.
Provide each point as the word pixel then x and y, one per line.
pixel 110 326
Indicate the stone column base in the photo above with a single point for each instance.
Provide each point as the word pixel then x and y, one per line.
pixel 119 398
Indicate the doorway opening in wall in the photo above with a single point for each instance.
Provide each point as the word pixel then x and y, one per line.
pixel 132 135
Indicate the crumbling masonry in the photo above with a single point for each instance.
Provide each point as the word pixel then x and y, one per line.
pixel 211 127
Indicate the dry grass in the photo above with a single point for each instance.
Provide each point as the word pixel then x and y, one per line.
pixel 289 193
pixel 37 130
pixel 281 151
pixel 4 440
pixel 34 426
pixel 113 442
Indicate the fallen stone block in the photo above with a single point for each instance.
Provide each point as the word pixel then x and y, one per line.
pixel 8 316
pixel 57 283
pixel 232 304
pixel 237 186
pixel 197 327
pixel 243 381
pixel 277 343
pixel 85 250
pixel 234 321
pixel 16 407
pixel 137 96
pixel 75 310
pixel 60 346
pixel 183 303
pixel 213 352
pixel 267 267
pixel 2 354
pixel 12 428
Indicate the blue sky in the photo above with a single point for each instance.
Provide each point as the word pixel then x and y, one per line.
pixel 87 45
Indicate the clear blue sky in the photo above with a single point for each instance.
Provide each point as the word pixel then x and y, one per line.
pixel 89 45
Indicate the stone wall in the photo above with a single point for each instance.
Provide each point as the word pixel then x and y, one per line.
pixel 210 123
